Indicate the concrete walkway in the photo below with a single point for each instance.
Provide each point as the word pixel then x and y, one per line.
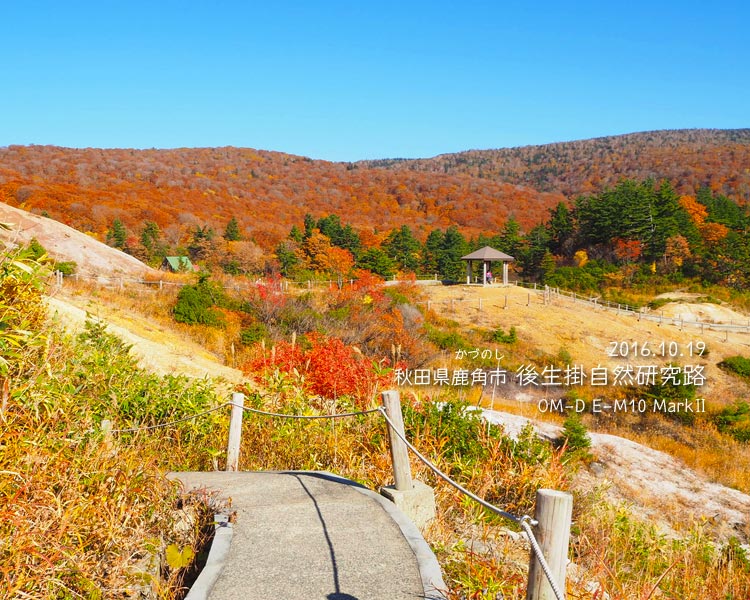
pixel 314 535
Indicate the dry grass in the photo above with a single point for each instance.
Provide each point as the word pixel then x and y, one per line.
pixel 84 515
pixel 615 551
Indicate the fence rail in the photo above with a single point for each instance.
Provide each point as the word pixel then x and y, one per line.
pixel 548 294
pixel 552 517
pixel 283 284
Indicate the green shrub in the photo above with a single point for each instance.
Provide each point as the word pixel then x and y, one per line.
pixel 735 421
pixel 447 340
pixel 66 268
pixel 196 304
pixel 739 365
pixel 528 447
pixel 575 436
pixel 501 337
pixel 36 249
pixel 574 278
pixel 564 357
pixel 253 334
pixel 672 392
pixel 456 424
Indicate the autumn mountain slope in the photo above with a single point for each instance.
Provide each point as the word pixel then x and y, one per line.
pixel 268 192
pixel 689 158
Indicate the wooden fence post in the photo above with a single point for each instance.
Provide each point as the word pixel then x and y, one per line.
pixel 235 431
pixel 399 451
pixel 107 431
pixel 553 512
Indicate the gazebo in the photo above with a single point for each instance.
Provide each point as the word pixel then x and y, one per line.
pixel 487 255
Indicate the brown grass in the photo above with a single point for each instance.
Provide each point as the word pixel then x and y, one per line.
pixel 616 551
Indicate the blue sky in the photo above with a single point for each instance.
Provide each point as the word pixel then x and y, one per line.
pixel 354 80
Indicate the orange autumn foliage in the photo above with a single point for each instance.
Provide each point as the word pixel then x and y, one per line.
pixel 695 209
pixel 329 368
pixel 713 233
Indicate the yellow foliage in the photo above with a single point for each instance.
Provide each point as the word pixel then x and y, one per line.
pixel 581 258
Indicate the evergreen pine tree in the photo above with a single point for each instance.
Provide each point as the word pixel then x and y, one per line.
pixel 117 235
pixel 232 231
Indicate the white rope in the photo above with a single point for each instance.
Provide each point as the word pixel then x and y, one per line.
pixel 447 478
pixel 288 416
pixel 525 522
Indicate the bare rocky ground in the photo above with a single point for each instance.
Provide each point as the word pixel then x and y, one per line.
pixel 651 482
pixel 155 347
pixel 64 243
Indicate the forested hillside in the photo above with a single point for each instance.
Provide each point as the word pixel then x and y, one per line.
pixel 664 205
pixel 267 192
pixel 718 159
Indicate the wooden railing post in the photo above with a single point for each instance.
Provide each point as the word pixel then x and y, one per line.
pixel 553 512
pixel 399 451
pixel 107 431
pixel 235 431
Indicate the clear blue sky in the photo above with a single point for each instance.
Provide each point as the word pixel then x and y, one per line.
pixel 353 80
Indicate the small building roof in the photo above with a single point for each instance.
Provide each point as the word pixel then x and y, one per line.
pixel 178 263
pixel 488 254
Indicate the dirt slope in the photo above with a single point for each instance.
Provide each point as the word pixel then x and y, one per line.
pixel 64 243
pixel 156 348
pixel 651 482
pixel 587 333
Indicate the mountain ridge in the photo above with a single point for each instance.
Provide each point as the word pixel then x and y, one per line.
pixel 268 191
pixel 518 164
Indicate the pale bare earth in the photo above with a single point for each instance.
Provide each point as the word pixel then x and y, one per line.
pixel 64 243
pixel 156 348
pixel 651 482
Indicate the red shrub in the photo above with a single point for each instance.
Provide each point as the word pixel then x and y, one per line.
pixel 331 368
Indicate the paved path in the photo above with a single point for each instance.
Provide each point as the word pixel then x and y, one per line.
pixel 313 535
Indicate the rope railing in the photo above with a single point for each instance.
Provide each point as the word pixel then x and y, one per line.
pixel 247 409
pixel 312 417
pixel 525 522
pixel 447 478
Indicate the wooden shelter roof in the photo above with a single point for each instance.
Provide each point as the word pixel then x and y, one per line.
pixel 488 254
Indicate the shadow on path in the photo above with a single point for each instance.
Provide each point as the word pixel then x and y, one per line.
pixel 337 595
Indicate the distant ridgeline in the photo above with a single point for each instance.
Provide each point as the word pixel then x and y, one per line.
pixel 607 211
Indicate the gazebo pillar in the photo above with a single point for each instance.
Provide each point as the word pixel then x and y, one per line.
pixel 487 256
